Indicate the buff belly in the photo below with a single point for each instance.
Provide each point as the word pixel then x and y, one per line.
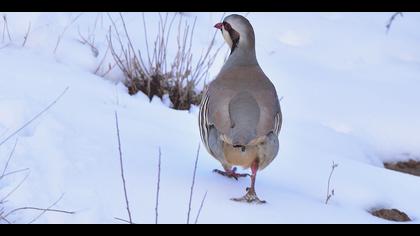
pixel 236 157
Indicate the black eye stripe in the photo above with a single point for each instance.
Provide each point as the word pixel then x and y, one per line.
pixel 227 26
pixel 234 35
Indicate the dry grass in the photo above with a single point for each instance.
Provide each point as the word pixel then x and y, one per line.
pixel 122 171
pixel 391 20
pixel 156 220
pixel 153 72
pixel 5 215
pixel 158 187
pixel 60 37
pixel 192 186
pixel 201 208
pixel 25 38
pixel 410 166
pixel 35 117
pixel 330 193
pixel 391 214
pixel 6 31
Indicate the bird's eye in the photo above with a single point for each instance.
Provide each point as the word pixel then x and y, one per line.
pixel 227 26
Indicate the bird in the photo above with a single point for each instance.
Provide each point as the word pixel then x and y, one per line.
pixel 239 115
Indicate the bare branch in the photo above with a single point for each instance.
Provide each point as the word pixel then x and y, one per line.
pixel 14 189
pixel 122 169
pixel 201 207
pixel 2 218
pixel 102 62
pixel 64 31
pixel 43 210
pixel 155 75
pixel 35 117
pixel 48 209
pixel 391 20
pixel 91 44
pixel 1 215
pixel 8 160
pixel 13 172
pixel 110 68
pixel 330 194
pixel 146 39
pixel 192 184
pixel 123 220
pixel 25 38
pixel 158 188
pixel 6 28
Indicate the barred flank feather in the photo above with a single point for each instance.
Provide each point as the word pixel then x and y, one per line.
pixel 277 124
pixel 203 122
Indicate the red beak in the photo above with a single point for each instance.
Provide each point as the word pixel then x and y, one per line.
pixel 218 25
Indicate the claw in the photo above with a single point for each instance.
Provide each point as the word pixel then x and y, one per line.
pixel 250 197
pixel 231 174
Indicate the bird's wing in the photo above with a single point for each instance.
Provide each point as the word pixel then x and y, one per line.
pixel 228 85
pixel 271 116
pixel 203 120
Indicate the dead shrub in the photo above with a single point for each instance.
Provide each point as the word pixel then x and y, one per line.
pixel 152 72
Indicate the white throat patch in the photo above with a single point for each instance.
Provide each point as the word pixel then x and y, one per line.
pixel 227 37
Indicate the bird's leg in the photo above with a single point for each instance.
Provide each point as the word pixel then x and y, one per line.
pixel 251 195
pixel 230 173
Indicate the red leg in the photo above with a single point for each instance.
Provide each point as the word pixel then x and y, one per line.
pixel 251 195
pixel 254 169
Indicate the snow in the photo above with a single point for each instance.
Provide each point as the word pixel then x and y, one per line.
pixel 349 96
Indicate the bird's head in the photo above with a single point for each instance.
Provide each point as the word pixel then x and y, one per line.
pixel 237 31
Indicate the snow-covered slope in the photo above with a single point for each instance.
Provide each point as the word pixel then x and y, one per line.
pixel 350 96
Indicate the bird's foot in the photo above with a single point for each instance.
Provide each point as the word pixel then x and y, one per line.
pixel 231 173
pixel 250 197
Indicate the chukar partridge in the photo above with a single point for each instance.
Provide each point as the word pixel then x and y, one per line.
pixel 240 116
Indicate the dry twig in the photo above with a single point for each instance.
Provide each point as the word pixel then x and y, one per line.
pixel 43 210
pixel 192 185
pixel 8 160
pixel 6 28
pixel 152 72
pixel 330 194
pixel 122 169
pixel 25 38
pixel 158 188
pixel 391 20
pixel 201 207
pixel 35 117
pixel 64 31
